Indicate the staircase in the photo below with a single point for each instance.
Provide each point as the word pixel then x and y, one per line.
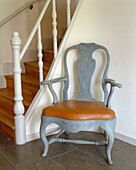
pixel 30 86
pixel 26 85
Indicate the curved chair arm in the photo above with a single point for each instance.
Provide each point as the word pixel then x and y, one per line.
pixel 49 83
pixel 113 84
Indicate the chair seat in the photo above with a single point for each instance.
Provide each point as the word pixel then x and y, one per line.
pixel 79 110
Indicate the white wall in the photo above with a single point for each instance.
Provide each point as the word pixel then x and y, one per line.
pixel 8 7
pixel 112 24
pixel 22 23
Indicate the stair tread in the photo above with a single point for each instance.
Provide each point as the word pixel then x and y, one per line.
pixel 8 111
pixel 8 93
pixel 6 120
pixel 35 64
pixel 29 79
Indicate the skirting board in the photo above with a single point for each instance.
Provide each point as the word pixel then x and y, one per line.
pixel 126 139
pixel 50 131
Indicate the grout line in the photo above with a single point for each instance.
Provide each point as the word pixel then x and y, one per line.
pixel 125 151
pixel 78 148
pixel 6 147
pixel 62 153
pixel 9 160
pixel 56 162
pixel 93 156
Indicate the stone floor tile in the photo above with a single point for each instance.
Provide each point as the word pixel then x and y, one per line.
pixel 5 164
pixel 20 153
pixel 95 135
pixel 76 160
pixel 125 146
pixel 16 154
pixel 39 164
pixel 59 148
pixel 123 161
pixel 93 150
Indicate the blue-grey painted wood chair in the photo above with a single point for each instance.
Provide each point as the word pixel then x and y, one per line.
pixel 83 112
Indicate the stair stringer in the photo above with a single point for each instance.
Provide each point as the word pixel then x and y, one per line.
pixel 43 97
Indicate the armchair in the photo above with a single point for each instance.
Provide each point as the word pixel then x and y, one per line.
pixel 83 112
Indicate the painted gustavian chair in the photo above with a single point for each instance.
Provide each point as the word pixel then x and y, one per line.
pixel 83 112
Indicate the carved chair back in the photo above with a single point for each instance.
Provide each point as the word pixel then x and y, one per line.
pixel 86 66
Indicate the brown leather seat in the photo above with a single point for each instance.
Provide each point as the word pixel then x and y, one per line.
pixel 79 110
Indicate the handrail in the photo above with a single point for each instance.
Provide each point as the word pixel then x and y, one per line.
pixel 34 28
pixel 4 21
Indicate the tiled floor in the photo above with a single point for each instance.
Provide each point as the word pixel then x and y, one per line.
pixel 66 156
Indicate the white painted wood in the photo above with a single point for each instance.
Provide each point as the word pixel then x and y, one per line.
pixel 40 55
pixel 34 29
pixel 51 130
pixel 125 138
pixel 4 21
pixel 54 24
pixel 20 131
pixel 53 67
pixel 68 12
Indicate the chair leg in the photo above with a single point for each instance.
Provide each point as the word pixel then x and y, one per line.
pixel 44 139
pixel 110 132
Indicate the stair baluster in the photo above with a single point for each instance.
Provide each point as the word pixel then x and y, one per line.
pixel 54 24
pixel 68 12
pixel 40 55
pixel 20 131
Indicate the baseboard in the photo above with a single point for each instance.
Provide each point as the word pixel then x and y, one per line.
pixel 49 131
pixel 126 139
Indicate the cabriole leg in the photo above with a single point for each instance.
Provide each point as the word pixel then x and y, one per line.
pixel 110 132
pixel 109 146
pixel 44 139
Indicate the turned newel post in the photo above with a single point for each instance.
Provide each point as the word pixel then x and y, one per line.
pixel 20 132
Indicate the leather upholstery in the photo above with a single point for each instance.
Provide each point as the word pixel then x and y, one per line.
pixel 79 110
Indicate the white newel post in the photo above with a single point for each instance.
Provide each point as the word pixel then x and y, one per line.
pixel 40 55
pixel 68 12
pixel 20 129
pixel 54 24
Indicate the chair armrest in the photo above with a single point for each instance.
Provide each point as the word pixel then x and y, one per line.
pixel 56 80
pixel 49 83
pixel 113 84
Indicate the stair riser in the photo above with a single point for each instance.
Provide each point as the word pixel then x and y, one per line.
pixel 7 120
pixel 27 88
pixel 48 57
pixel 4 102
pixel 34 71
